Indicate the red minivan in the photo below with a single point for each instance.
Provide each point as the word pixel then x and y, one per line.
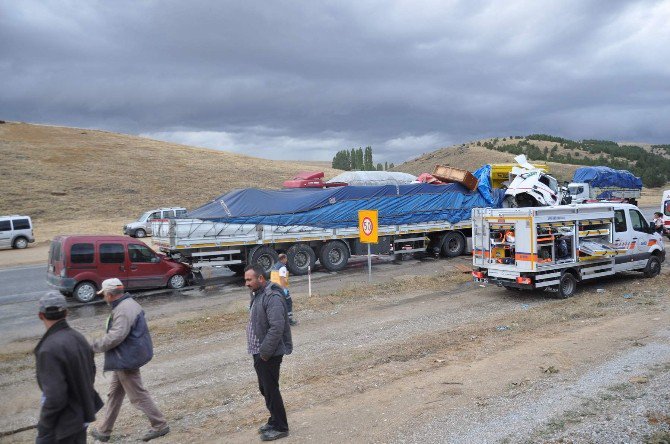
pixel 79 264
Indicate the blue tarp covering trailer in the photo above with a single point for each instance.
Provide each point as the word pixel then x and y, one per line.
pixel 338 207
pixel 602 177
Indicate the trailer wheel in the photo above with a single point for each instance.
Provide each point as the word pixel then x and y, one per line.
pixel 653 267
pixel 567 285
pixel 453 245
pixel 266 257
pixel 300 257
pixel 334 256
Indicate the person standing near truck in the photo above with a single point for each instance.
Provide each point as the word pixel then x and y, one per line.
pixel 279 275
pixel 65 373
pixel 127 346
pixel 658 223
pixel 268 340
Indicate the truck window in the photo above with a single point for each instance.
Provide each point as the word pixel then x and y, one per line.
pixel 666 208
pixel 55 251
pixel 81 254
pixel 112 254
pixel 181 213
pixel 620 221
pixel 21 224
pixel 140 253
pixel 637 221
pixel 5 225
pixel 156 215
pixel 168 214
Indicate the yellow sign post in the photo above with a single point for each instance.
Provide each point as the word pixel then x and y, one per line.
pixel 367 232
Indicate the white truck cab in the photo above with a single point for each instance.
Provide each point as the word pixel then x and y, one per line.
pixel 556 247
pixel 665 211
pixel 142 226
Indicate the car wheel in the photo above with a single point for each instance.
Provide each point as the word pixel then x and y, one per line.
pixel 334 256
pixel 567 285
pixel 176 282
pixel 85 292
pixel 140 233
pixel 453 245
pixel 653 267
pixel 20 243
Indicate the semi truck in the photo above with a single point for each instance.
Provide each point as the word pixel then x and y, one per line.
pixel 557 247
pixel 591 184
pixel 309 225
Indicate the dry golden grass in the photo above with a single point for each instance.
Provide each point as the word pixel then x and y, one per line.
pixel 86 181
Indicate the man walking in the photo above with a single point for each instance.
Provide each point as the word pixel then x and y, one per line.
pixel 268 340
pixel 127 346
pixel 65 374
pixel 279 276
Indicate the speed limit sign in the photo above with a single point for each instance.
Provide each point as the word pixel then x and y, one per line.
pixel 367 226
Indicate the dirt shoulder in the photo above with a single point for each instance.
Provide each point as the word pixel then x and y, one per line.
pixel 420 355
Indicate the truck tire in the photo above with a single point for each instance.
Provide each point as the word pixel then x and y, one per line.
pixel 85 291
pixel 266 257
pixel 334 256
pixel 139 233
pixel 238 269
pixel 453 245
pixel 567 285
pixel 300 257
pixel 653 267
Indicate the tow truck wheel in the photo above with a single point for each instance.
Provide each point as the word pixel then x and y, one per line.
pixel 453 245
pixel 567 286
pixel 653 267
pixel 300 257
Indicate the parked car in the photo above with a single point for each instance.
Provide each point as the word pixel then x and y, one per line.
pixel 78 265
pixel 16 231
pixel 142 226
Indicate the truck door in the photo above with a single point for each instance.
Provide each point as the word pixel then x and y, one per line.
pixel 641 229
pixel 112 261
pixel 146 270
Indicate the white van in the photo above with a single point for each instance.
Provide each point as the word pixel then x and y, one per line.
pixel 142 226
pixel 556 247
pixel 16 231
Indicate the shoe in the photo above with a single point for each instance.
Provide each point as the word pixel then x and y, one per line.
pixel 99 436
pixel 264 428
pixel 152 434
pixel 273 434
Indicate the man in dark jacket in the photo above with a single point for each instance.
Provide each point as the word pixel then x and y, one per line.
pixel 65 374
pixel 268 340
pixel 127 346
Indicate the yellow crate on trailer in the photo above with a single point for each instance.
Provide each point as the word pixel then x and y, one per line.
pixel 500 172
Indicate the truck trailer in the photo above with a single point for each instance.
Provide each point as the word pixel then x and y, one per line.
pixel 309 225
pixel 557 247
pixel 591 184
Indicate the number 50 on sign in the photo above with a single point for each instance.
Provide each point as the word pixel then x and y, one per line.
pixel 367 226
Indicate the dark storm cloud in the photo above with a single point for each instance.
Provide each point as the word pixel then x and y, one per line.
pixel 305 79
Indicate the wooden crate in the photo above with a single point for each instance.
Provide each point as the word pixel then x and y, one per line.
pixel 450 174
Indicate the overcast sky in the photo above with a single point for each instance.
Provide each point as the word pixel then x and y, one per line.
pixel 304 79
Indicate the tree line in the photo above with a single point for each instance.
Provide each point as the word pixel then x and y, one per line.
pixel 356 159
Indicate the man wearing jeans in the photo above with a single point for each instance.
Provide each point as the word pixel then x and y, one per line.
pixel 127 346
pixel 268 340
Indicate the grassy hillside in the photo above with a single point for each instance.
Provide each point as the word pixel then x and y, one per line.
pixel 74 180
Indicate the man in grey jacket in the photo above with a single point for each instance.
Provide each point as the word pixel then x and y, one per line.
pixel 268 340
pixel 127 346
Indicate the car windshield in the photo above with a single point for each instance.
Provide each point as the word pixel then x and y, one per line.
pixel 575 190
pixel 143 217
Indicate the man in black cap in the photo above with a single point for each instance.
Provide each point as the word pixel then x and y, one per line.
pixel 65 374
